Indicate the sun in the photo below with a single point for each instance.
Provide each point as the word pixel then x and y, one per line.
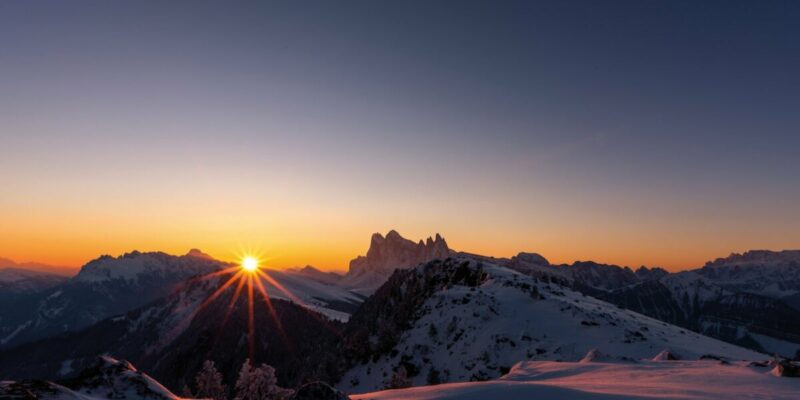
pixel 249 264
pixel 249 278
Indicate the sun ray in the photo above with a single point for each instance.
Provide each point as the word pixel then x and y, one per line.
pixel 308 309
pixel 208 300
pixel 219 291
pixel 271 309
pixel 250 323
pixel 281 288
pixel 232 303
pixel 248 272
pixel 220 272
pixel 272 312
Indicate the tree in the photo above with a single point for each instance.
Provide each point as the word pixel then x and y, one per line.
pixel 400 379
pixel 259 384
pixel 209 382
pixel 432 331
pixel 244 384
pixel 434 378
pixel 186 392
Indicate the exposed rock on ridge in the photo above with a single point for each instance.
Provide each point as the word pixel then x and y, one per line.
pixel 388 253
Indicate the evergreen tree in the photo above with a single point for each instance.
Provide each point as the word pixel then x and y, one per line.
pixel 186 392
pixel 259 384
pixel 244 384
pixel 434 378
pixel 209 382
pixel 432 331
pixel 400 379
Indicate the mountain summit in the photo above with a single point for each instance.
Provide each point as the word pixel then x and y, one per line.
pixel 105 286
pixel 388 253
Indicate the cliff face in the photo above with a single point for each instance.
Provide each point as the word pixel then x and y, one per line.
pixel 388 253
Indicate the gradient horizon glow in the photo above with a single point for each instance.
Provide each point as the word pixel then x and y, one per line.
pixel 656 133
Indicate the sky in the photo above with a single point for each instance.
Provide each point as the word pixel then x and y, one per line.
pixel 628 132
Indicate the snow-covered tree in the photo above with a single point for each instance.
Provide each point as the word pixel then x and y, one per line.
pixel 243 383
pixel 400 379
pixel 259 384
pixel 209 382
pixel 186 392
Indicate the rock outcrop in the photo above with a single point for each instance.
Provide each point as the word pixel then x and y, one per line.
pixel 388 253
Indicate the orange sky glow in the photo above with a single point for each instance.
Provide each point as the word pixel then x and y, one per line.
pixel 161 127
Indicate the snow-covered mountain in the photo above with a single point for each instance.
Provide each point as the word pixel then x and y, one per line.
pixel 312 291
pixel 37 267
pixel 386 254
pixel 20 281
pixel 107 378
pixel 580 274
pixel 138 268
pixel 172 337
pixel 743 299
pixel 103 287
pixel 462 318
pixel 767 273
pixel 468 319
pixel 309 271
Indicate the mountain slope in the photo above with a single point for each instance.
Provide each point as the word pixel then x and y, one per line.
pixel 327 298
pixel 762 272
pixel 16 282
pixel 107 378
pixel 171 338
pixel 743 299
pixel 543 380
pixel 693 300
pixel 467 319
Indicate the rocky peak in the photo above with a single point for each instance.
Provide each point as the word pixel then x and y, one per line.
pixel 197 253
pixel 529 259
pixel 758 258
pixel 395 251
pixel 654 273
pixel 393 235
pixel 388 253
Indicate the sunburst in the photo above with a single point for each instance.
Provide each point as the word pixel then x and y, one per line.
pixel 247 276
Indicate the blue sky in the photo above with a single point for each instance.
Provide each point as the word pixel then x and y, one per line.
pixel 633 132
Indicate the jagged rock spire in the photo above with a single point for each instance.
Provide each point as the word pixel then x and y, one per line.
pixel 391 252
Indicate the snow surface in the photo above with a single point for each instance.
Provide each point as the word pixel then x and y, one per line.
pixel 480 332
pixel 313 294
pixel 547 380
pixel 111 379
pixel 131 266
pixel 15 332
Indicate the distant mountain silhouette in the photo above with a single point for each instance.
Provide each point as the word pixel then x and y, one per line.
pixel 38 267
pixel 103 287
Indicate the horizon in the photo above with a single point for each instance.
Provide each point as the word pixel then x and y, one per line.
pixel 235 257
pixel 631 133
pixel 510 200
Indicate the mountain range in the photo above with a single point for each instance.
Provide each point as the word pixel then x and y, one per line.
pixel 418 310
pixel 6 263
pixel 103 287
